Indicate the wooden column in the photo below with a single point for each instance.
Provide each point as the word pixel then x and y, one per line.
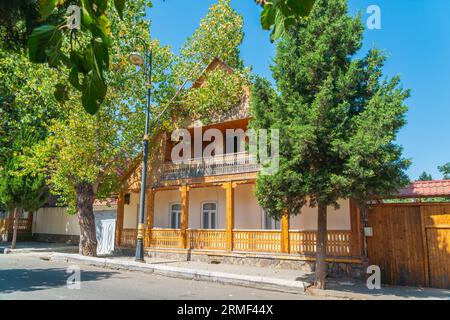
pixel 119 217
pixel 229 189
pixel 184 216
pixel 357 230
pixel 150 214
pixel 285 245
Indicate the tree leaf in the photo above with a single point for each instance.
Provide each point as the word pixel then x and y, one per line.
pixel 93 92
pixel 46 7
pixel 74 79
pixel 120 5
pixel 43 38
pixel 267 17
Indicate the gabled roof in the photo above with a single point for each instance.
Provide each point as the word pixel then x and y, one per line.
pixel 214 64
pixel 423 189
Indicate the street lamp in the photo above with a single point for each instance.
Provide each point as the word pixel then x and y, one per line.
pixel 145 62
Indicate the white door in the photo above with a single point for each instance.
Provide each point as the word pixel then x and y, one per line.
pixel 105 226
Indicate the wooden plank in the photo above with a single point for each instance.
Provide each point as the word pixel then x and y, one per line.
pixel 184 215
pixel 229 189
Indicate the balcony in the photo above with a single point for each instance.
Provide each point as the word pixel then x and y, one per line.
pixel 231 163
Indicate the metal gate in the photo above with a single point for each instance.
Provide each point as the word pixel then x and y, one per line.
pixel 105 224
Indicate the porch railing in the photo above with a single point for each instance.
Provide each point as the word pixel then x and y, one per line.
pixel 304 242
pixel 300 242
pixel 3 229
pixel 164 238
pixel 207 239
pixel 257 240
pixel 230 163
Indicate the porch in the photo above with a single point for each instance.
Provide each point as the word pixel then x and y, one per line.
pixel 238 225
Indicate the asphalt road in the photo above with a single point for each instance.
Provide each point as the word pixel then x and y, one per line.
pixel 26 276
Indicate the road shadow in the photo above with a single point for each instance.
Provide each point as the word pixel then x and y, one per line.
pixel 27 280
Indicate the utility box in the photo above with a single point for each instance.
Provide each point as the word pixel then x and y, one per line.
pixel 368 231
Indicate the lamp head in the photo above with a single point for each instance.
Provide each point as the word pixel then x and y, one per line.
pixel 136 59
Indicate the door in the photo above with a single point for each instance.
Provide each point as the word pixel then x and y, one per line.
pixel 438 247
pixel 105 225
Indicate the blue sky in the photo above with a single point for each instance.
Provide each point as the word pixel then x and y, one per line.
pixel 414 33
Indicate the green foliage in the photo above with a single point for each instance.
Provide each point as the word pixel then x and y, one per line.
pixel 20 188
pixel 94 149
pixel 17 20
pixel 27 101
pixel 219 36
pixel 334 143
pixel 221 91
pixel 424 176
pixel 445 170
pixel 280 15
pixel 84 54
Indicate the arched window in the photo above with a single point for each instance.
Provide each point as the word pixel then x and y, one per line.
pixel 209 215
pixel 175 216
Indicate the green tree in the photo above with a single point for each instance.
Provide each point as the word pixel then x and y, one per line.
pixel 445 170
pixel 21 190
pixel 84 153
pixel 327 106
pixel 425 176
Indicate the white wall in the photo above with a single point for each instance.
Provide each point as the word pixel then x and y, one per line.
pixel 248 213
pixel 55 221
pixel 336 219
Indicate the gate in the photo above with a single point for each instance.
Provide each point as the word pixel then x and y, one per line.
pixel 411 243
pixel 105 225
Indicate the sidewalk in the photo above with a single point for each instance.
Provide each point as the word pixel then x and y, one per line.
pixel 293 281
pixel 29 247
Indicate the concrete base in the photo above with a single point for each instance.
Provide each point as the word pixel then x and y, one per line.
pixel 338 267
pixel 56 238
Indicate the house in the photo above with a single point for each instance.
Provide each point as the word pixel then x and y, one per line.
pixel 204 207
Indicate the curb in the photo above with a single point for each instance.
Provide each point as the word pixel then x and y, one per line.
pixel 6 250
pixel 257 282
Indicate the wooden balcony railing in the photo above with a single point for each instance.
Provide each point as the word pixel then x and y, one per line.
pixel 164 238
pixel 207 239
pixel 304 242
pixel 257 240
pixel 231 163
pixel 301 242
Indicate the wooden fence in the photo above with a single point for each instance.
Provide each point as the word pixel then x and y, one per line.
pixel 269 241
pixel 411 243
pixel 3 229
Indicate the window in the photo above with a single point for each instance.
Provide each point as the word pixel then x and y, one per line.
pixel 209 213
pixel 175 216
pixel 270 223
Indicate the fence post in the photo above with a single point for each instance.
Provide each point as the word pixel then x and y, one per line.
pixel 285 245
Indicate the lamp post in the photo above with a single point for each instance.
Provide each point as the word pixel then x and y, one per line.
pixel 146 63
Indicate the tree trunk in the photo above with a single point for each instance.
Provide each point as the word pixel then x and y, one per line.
pixel 86 219
pixel 321 247
pixel 15 227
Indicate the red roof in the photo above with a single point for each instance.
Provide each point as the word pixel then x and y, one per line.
pixel 420 189
pixel 109 202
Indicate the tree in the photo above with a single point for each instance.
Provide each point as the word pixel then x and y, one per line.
pixel 21 190
pixel 425 176
pixel 85 153
pixel 280 15
pixel 327 106
pixel 219 36
pixel 445 170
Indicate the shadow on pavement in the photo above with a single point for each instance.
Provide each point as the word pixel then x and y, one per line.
pixel 26 280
